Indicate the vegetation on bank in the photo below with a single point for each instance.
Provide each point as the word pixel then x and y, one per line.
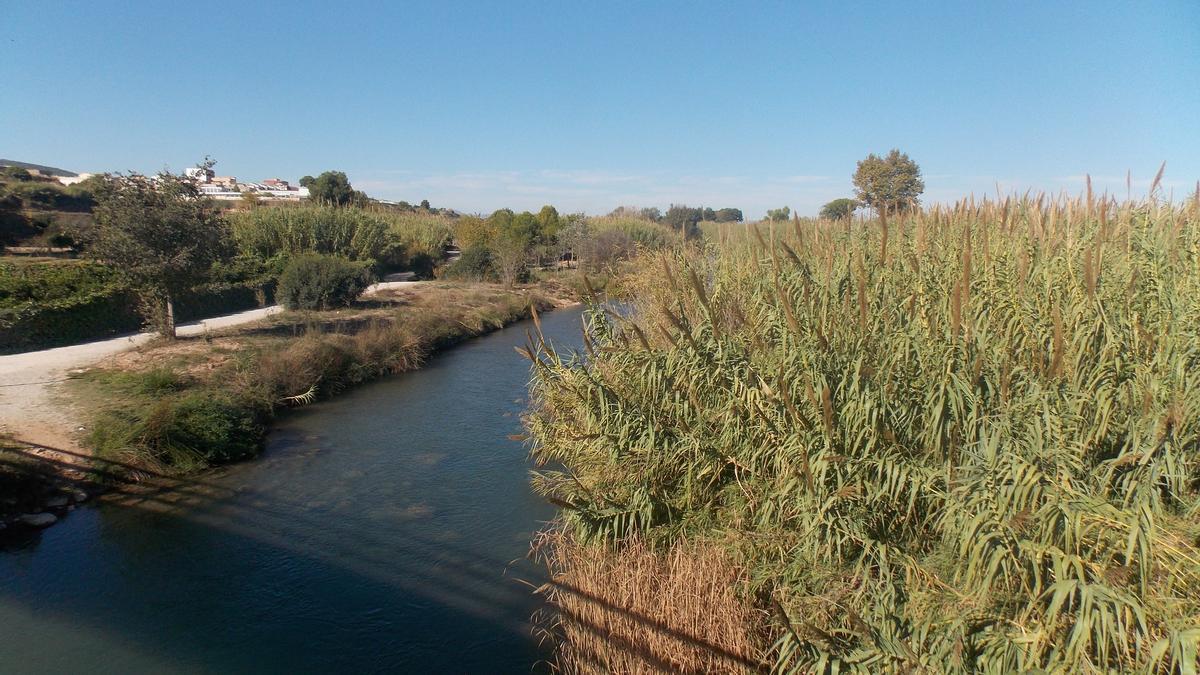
pixel 954 440
pixel 52 302
pixel 181 406
pixel 508 247
pixel 384 238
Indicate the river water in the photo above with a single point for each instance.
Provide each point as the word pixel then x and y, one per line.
pixel 383 530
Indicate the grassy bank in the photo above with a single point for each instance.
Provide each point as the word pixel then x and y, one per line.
pixel 180 406
pixel 964 440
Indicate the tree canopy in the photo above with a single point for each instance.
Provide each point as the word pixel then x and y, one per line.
pixel 162 233
pixel 892 183
pixel 776 215
pixel 728 215
pixel 684 219
pixel 839 208
pixel 331 187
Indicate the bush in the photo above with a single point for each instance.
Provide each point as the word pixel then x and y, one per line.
pixel 314 281
pixel 475 264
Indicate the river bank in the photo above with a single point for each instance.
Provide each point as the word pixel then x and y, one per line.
pixel 171 408
pixel 383 530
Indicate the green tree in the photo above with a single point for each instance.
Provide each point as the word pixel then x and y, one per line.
pixel 549 223
pixel 776 215
pixel 890 183
pixel 331 187
pixel 683 218
pixel 839 209
pixel 307 181
pixel 160 232
pixel 729 215
pixel 523 229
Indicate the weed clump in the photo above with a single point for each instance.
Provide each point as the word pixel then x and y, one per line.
pixel 181 433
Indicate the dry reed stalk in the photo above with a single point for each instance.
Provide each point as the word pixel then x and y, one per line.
pixel 633 610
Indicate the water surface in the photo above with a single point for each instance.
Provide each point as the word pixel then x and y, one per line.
pixel 384 530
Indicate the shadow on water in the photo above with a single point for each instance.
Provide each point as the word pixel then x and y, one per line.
pixel 385 530
pixel 337 599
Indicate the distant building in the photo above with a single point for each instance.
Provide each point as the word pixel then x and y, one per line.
pixel 71 180
pixel 228 187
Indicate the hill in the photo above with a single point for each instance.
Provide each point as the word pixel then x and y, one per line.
pixel 47 170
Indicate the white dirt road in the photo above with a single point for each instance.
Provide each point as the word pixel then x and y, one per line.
pixel 32 406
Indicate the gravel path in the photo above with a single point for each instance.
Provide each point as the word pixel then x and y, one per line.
pixel 32 407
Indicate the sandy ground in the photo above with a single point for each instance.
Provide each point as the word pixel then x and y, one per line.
pixel 33 407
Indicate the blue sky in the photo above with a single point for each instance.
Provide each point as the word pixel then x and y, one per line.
pixel 593 105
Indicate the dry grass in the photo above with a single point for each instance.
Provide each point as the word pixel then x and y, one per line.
pixel 633 610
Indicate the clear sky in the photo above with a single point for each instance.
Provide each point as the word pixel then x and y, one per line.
pixel 592 105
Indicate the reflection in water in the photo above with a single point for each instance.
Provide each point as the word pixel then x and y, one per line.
pixel 383 530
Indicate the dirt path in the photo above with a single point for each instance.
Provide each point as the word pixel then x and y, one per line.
pixel 33 407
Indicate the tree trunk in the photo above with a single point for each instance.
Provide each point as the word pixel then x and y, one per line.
pixel 168 329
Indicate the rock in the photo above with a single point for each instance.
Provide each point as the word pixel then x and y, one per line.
pixel 79 496
pixel 38 519
pixel 56 502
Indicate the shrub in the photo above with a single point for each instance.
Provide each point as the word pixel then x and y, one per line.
pixel 475 264
pixel 314 281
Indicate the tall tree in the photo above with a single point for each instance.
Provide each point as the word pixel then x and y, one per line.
pixel 162 233
pixel 729 215
pixel 683 218
pixel 839 208
pixel 892 183
pixel 776 215
pixel 331 187
pixel 548 222
pixel 650 213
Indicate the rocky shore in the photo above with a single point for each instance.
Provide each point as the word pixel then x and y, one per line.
pixel 35 492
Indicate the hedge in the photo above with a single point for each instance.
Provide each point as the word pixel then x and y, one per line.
pixel 112 310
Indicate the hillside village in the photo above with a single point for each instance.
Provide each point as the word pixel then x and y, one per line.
pixel 229 188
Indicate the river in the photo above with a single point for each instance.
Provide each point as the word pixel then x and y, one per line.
pixel 383 530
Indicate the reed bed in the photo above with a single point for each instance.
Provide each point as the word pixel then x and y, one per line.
pixel 965 439
pixel 646 234
pixel 357 233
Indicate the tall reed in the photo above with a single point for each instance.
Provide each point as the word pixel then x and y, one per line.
pixel 360 234
pixel 974 449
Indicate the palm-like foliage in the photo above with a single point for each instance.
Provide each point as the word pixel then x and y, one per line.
pixel 964 441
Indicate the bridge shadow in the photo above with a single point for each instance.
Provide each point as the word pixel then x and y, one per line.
pixel 229 578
